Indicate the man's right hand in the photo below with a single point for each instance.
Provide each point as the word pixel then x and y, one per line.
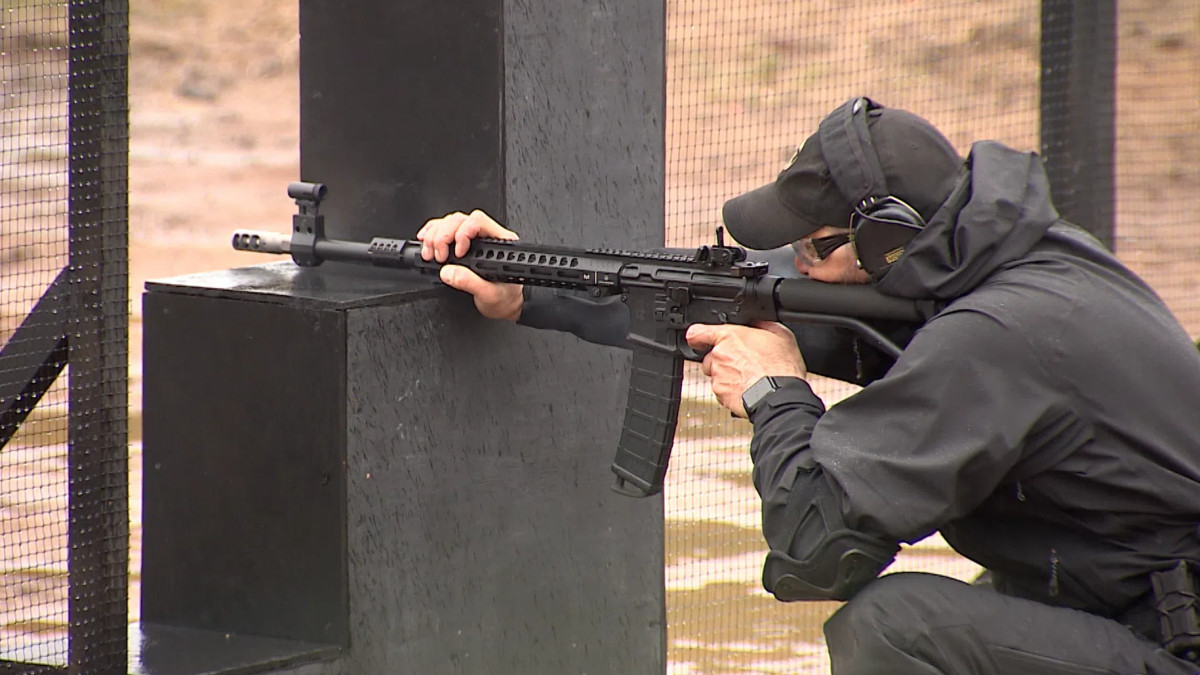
pixel 493 300
pixel 738 356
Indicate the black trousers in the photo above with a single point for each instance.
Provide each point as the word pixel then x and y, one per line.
pixel 933 625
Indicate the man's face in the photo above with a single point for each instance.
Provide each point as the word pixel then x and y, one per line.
pixel 839 266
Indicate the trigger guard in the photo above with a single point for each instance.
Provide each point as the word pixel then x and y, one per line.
pixel 686 350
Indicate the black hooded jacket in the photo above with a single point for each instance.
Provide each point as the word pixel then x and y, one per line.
pixel 1044 421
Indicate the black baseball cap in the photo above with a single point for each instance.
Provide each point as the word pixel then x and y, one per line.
pixel 918 162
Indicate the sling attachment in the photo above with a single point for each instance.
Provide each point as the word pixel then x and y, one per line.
pixel 1175 602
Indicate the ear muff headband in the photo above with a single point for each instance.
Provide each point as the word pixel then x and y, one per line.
pixel 846 145
pixel 882 224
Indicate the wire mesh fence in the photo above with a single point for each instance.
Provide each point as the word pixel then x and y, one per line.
pixel 63 318
pixel 1157 118
pixel 747 81
pixel 34 248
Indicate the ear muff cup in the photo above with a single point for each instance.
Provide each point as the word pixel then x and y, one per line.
pixel 881 232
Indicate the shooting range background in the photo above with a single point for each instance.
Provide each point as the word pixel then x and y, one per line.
pixel 213 141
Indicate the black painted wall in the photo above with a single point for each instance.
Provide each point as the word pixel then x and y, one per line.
pixel 349 478
pixel 401 110
pixel 458 466
pixel 482 535
pixel 584 117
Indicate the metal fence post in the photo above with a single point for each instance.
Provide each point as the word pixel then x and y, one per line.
pixel 97 334
pixel 1078 91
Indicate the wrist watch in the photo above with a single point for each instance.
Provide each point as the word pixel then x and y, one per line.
pixel 753 397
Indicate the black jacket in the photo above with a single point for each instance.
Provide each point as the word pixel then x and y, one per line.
pixel 1045 420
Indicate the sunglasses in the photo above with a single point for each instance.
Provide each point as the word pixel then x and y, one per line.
pixel 813 251
pixel 882 211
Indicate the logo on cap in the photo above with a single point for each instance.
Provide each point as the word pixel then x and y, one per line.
pixel 795 156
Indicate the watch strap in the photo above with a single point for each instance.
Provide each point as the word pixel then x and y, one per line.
pixel 756 394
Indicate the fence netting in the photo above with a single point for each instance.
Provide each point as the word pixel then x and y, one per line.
pixel 1157 145
pixel 748 81
pixel 63 313
pixel 33 249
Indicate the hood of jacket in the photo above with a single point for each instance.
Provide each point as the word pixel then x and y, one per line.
pixel 998 211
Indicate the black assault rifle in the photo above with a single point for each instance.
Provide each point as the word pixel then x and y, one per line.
pixel 665 293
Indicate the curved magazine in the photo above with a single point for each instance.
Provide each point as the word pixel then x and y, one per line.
pixel 644 450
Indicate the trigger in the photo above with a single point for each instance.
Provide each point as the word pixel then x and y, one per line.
pixel 688 352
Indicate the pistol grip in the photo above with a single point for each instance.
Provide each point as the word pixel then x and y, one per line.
pixel 651 411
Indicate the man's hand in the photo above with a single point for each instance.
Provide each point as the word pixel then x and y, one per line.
pixel 740 355
pixel 493 300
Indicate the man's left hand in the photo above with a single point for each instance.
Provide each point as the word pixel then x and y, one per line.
pixel 740 355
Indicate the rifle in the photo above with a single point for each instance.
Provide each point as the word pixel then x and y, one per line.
pixel 665 293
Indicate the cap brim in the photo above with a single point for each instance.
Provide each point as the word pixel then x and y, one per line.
pixel 758 220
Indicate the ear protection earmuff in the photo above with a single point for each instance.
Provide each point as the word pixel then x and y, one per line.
pixel 882 224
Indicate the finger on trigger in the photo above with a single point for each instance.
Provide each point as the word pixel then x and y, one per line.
pixel 699 334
